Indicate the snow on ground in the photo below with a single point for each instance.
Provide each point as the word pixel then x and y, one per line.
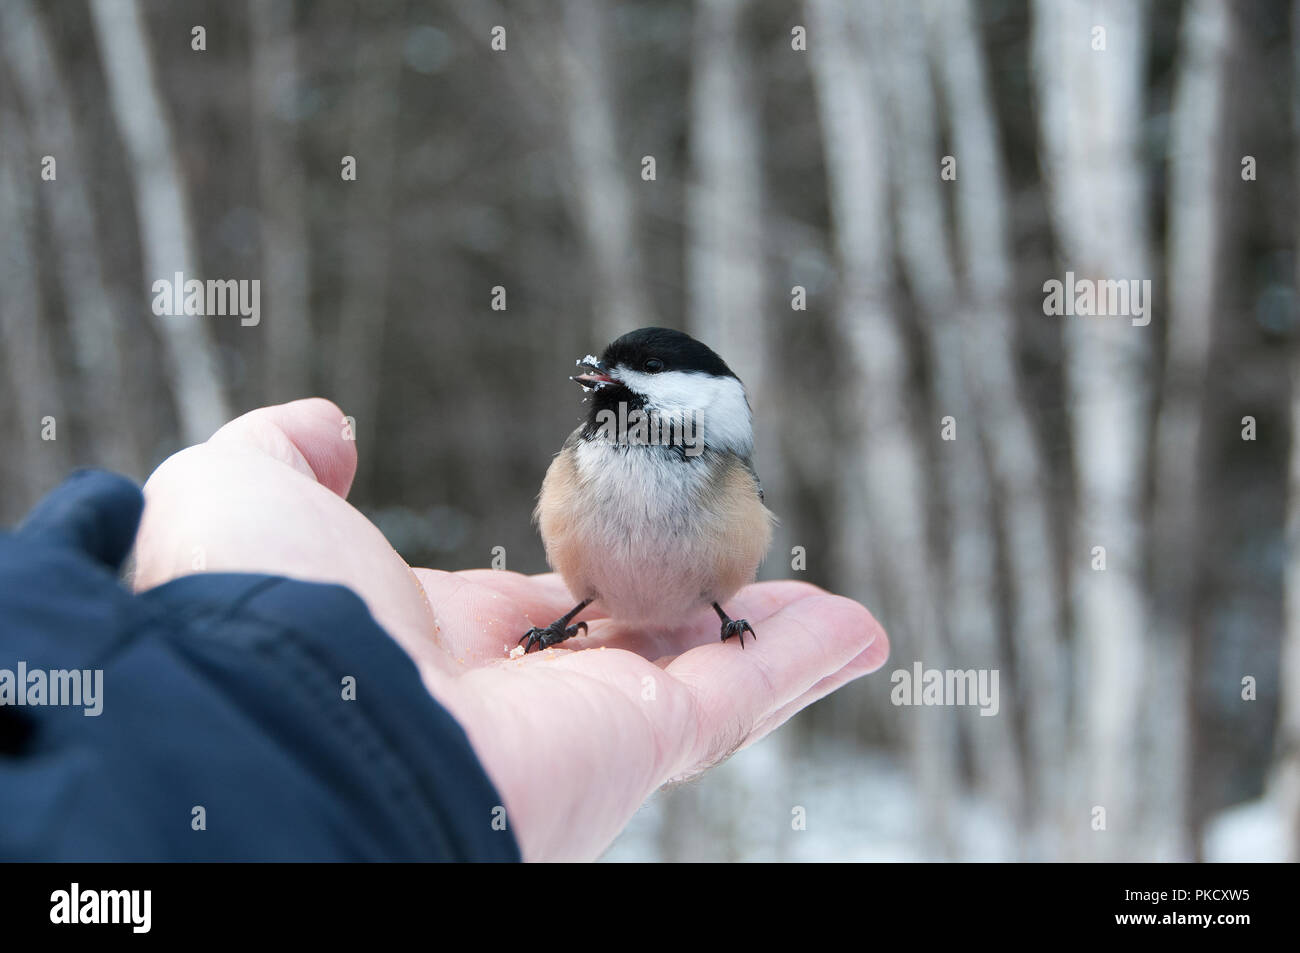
pixel 857 807
pixel 1252 832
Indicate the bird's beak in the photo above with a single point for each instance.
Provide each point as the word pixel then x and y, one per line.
pixel 594 375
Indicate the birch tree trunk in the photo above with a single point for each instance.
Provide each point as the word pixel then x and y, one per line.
pixel 373 126
pixel 287 364
pixel 726 245
pixel 603 173
pixel 94 327
pixel 1195 219
pixel 970 602
pixel 1090 113
pixel 162 210
pixel 726 237
pixel 1285 781
pixel 1018 471
pixel 881 482
pixel 25 346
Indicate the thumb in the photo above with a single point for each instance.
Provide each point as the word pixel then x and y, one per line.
pixel 312 436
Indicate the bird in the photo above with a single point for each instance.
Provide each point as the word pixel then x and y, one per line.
pixel 652 509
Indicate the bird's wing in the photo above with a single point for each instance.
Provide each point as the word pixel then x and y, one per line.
pixel 574 438
pixel 758 484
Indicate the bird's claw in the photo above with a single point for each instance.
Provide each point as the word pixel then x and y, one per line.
pixel 738 627
pixel 552 634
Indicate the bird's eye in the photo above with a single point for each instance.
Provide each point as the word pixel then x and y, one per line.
pixel 654 365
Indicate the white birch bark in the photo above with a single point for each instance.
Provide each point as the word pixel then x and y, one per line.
pixel 604 173
pixel 1284 780
pixel 1195 220
pixel 97 339
pixel 1090 113
pixel 1284 783
pixel 166 224
pixel 984 252
pixel 725 251
pixel 287 361
pixel 881 482
pixel 373 128
pixel 970 604
pixel 26 349
pixel 726 236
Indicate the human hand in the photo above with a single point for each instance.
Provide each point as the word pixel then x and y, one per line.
pixel 576 737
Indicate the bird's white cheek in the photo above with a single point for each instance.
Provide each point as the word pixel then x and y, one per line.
pixel 713 408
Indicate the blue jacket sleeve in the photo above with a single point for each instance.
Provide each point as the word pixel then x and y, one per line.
pixel 218 717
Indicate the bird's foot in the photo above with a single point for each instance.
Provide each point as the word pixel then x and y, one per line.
pixel 737 627
pixel 553 634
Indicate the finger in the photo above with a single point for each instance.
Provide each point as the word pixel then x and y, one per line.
pixel 869 660
pixel 475 622
pixel 803 643
pixel 310 435
pixel 227 506
pixel 756 603
pixel 491 597
pixel 481 614
pixel 540 599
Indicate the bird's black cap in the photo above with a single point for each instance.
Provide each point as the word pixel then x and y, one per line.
pixel 677 350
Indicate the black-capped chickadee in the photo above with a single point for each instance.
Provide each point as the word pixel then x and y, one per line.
pixel 652 508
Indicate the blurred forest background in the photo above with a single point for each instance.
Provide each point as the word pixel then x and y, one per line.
pixel 799 155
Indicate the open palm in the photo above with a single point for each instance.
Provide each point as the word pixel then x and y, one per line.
pixel 574 737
